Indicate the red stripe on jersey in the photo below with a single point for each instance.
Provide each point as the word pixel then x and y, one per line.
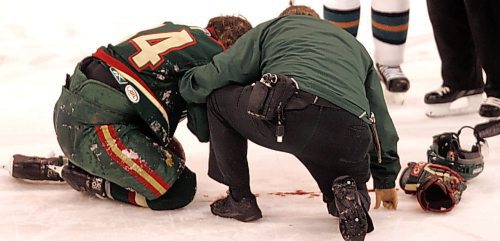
pixel 111 61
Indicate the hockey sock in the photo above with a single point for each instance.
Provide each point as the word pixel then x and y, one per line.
pixel 390 27
pixel 343 13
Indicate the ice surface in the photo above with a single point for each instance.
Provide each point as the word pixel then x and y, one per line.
pixel 41 41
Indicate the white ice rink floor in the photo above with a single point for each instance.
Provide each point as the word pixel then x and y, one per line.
pixel 39 45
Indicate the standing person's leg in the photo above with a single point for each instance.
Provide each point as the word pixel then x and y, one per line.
pixel 390 20
pixel 484 19
pixel 390 27
pixel 460 67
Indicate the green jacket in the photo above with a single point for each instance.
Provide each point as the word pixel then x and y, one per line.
pixel 324 59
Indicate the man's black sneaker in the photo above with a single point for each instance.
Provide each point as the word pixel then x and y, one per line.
pixel 353 220
pixel 245 210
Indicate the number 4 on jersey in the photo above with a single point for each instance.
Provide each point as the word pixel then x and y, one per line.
pixel 153 47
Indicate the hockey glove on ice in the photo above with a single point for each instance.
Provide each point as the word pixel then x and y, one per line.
pixel 438 188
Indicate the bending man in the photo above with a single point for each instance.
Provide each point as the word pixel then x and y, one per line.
pixel 325 124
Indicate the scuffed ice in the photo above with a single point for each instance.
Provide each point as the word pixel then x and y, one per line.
pixel 40 44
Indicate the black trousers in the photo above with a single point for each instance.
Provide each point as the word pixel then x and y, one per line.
pixel 467 34
pixel 329 141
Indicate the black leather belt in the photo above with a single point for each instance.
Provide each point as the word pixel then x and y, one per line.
pixel 303 99
pixel 314 99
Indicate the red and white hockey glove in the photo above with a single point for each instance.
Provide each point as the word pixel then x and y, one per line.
pixel 438 188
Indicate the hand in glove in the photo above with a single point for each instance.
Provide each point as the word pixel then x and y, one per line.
pixel 388 197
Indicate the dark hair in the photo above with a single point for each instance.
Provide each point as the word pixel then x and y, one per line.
pixel 228 28
pixel 299 10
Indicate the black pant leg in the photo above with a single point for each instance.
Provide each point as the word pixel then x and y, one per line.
pixel 460 64
pixel 337 146
pixel 484 18
pixel 228 149
pixel 330 142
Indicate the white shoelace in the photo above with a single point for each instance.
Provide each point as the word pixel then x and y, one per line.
pixel 442 90
pixel 391 72
pixel 492 101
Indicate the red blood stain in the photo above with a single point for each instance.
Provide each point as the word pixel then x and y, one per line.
pixel 295 193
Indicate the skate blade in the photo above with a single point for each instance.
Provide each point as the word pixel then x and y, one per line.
pixel 461 106
pixel 397 98
pixel 492 119
pixel 7 165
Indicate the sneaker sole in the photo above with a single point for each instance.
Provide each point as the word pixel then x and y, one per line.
pixel 237 216
pixel 353 222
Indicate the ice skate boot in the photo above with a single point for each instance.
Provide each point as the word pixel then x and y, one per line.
pixel 490 108
pixel 33 168
pixel 445 101
pixel 395 82
pixel 81 180
pixel 354 222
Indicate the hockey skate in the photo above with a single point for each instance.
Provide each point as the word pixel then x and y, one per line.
pixel 354 222
pixel 81 180
pixel 490 108
pixel 34 168
pixel 445 101
pixel 395 82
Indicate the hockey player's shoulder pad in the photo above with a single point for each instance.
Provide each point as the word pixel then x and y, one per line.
pixel 438 188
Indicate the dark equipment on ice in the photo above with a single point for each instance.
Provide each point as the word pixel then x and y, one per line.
pixel 448 150
pixel 437 187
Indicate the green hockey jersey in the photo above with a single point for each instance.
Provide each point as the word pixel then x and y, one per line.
pixel 148 66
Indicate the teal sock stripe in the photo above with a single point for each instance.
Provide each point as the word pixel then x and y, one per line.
pixel 348 20
pixel 391 28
